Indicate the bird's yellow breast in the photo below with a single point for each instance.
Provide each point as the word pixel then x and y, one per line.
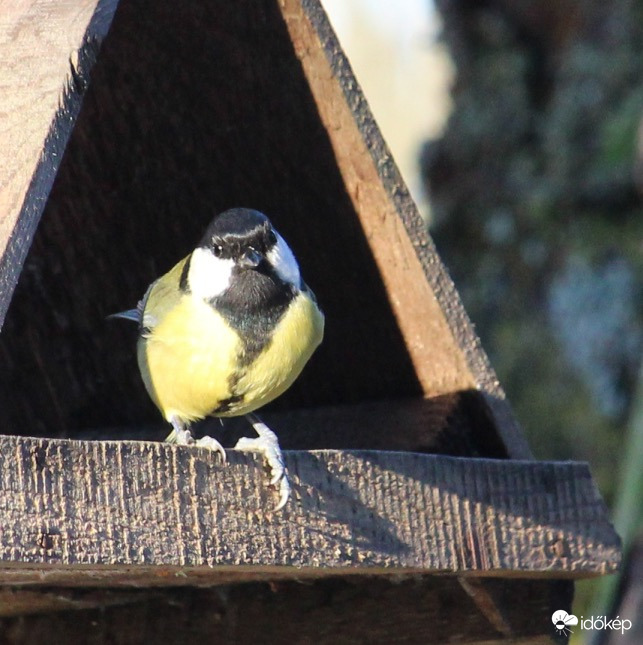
pixel 187 359
pixel 193 364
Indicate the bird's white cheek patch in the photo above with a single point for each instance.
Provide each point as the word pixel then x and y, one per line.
pixel 209 276
pixel 283 260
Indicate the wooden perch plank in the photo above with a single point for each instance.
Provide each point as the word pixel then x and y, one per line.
pixel 46 50
pixel 158 514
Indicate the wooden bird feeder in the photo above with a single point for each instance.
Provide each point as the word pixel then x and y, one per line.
pixel 418 514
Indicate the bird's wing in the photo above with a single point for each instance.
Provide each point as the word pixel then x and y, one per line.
pixel 161 297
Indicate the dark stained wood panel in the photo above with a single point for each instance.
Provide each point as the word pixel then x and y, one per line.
pixel 419 610
pixel 192 108
pixel 135 512
pixel 440 425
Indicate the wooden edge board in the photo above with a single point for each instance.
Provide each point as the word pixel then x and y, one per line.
pixel 151 508
pixel 160 576
pixel 47 50
pixel 427 316
pixel 423 610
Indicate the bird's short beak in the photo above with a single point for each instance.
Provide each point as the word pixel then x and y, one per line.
pixel 251 259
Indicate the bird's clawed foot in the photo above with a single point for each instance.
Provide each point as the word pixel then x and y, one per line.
pixel 267 444
pixel 212 444
pixel 181 436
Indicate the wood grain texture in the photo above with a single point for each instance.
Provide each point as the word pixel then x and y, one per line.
pixel 46 51
pixel 123 512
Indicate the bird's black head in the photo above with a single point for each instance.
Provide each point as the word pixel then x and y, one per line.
pixel 240 234
pixel 241 258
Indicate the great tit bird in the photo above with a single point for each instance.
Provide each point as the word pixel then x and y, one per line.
pixel 226 331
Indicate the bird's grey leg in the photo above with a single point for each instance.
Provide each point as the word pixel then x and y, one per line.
pixel 181 436
pixel 267 444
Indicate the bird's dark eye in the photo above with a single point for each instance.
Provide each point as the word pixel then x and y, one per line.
pixel 272 239
pixel 217 249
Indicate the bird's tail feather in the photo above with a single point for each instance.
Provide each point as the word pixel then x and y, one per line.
pixel 131 314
